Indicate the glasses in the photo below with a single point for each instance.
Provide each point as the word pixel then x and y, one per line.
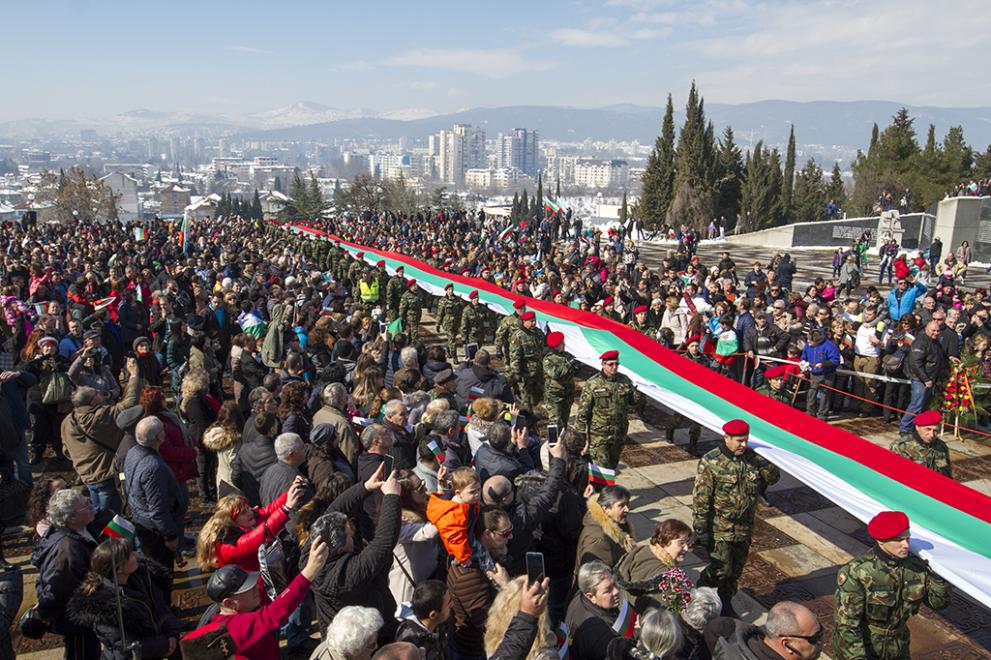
pixel 814 640
pixel 506 533
pixel 611 363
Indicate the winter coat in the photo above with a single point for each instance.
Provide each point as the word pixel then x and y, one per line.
pixel 276 480
pixel 638 574
pixel 925 359
pixel 518 638
pixel 62 559
pixel 90 436
pixel 11 597
pixel 347 440
pixel 360 578
pixel 416 554
pixel 224 443
pixel 153 495
pixel 253 457
pixel 412 631
pixel 274 346
pixel 100 378
pixel 199 415
pixel 455 522
pixel 602 538
pixel 491 382
pixel 148 618
pixel 177 450
pixel 490 462
pixel 677 321
pixel 529 510
pixel 560 529
pixel 240 546
pixel 899 307
pixel 590 627
pixel 433 367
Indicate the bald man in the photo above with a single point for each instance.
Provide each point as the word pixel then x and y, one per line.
pixel 924 364
pixel 791 631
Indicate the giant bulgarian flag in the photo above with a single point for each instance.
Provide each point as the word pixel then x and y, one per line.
pixel 951 523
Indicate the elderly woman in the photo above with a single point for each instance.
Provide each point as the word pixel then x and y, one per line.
pixel 485 415
pixel 659 638
pixel 49 400
pixel 352 635
pixel 704 606
pixel 640 571
pixel 606 532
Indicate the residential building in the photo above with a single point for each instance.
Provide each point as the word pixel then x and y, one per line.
pixel 460 149
pixel 592 173
pixel 126 189
pixel 173 200
pixel 519 149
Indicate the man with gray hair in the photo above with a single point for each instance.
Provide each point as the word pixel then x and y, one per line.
pixel 90 437
pixel 279 476
pixel 395 418
pixel 377 442
pixel 158 503
pixel 335 401
pixel 791 631
pixel 62 558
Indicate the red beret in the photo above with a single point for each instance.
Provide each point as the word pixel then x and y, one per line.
pixel 528 315
pixel 556 293
pixel 609 355
pixel 411 284
pixel 777 371
pixel 449 285
pixel 887 525
pixel 607 301
pixel 359 255
pixel 519 304
pixel 736 427
pixel 473 295
pixel 555 339
pixel 381 263
pixel 641 308
pixel 400 267
pixel 928 418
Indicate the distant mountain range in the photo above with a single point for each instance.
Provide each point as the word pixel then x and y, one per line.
pixel 827 124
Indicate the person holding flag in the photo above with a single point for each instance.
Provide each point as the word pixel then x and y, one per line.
pixel 598 613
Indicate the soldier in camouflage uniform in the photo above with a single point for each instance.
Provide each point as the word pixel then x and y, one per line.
pixel 559 381
pixel 602 409
pixel 526 367
pixel 394 291
pixel 507 327
pixel 449 319
pixel 774 385
pixel 924 446
pixel 473 320
pixel 411 309
pixel 877 593
pixel 676 419
pixel 730 480
pixel 639 322
pixel 355 270
pixel 382 276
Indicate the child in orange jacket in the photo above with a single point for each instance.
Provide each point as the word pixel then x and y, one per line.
pixel 455 518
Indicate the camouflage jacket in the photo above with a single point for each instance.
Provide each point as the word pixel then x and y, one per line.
pixel 449 313
pixel 875 596
pixel 507 326
pixel 355 270
pixel 394 291
pixel 526 352
pixel 472 321
pixel 724 501
pixel 934 455
pixel 604 404
pixel 782 395
pixel 646 329
pixel 410 309
pixel 559 376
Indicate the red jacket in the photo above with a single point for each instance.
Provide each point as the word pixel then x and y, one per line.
pixel 244 550
pixel 181 459
pixel 256 634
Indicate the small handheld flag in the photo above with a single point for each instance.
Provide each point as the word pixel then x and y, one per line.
pixel 395 328
pixel 141 233
pixel 436 451
pixel 626 622
pixel 551 206
pixel 603 476
pixel 119 528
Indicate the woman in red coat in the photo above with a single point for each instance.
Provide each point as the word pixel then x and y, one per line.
pixel 235 531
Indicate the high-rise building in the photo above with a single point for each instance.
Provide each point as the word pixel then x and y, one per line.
pixel 459 149
pixel 519 149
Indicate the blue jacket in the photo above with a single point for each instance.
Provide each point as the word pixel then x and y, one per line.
pixel 827 353
pixel 899 308
pixel 153 494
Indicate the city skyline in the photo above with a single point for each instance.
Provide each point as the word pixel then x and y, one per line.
pixel 237 58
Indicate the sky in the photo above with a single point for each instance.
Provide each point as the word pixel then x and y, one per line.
pixel 88 58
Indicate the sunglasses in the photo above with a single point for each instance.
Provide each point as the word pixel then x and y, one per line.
pixel 506 533
pixel 814 640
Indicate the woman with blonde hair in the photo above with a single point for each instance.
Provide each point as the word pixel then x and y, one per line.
pixel 235 531
pixel 505 606
pixel 423 427
pixel 366 388
pixel 484 415
pixel 222 439
pixel 199 408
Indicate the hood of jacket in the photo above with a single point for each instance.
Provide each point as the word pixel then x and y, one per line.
pixel 622 535
pixel 217 439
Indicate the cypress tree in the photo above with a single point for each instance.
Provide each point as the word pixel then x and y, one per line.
pixel 809 199
pixel 256 207
pixel 762 187
pixel 834 189
pixel 624 210
pixel 658 176
pixel 729 178
pixel 557 190
pixel 524 205
pixel 515 212
pixel 874 139
pixel 539 200
pixel 788 183
pixel 692 201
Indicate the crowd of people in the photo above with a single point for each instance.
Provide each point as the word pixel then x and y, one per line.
pixel 972 188
pixel 411 498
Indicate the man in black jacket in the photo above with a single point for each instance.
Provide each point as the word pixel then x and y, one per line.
pixel 923 365
pixel 477 379
pixel 62 558
pixel 423 624
pixel 279 476
pixel 593 612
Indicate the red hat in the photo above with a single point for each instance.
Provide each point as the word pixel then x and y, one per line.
pixel 928 418
pixel 609 355
pixel 400 267
pixel 528 315
pixel 411 284
pixel 473 295
pixel 519 304
pixel 449 285
pixel 359 255
pixel 608 300
pixel 556 293
pixel 736 427
pixel 694 339
pixel 777 371
pixel 380 263
pixel 887 525
pixel 640 309
pixel 555 339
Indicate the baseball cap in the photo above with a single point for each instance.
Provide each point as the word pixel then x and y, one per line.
pixel 230 580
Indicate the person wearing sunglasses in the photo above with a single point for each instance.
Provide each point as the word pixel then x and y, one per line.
pixel 791 631
pixel 602 410
pixel 877 593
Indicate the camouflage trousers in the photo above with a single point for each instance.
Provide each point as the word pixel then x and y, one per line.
pixel 558 411
pixel 451 332
pixel 726 561
pixel 605 449
pixel 528 393
pixel 675 420
pixel 880 644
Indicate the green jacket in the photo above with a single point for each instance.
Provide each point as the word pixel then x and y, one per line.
pixel 559 376
pixel 472 322
pixel 449 313
pixel 526 352
pixel 604 404
pixel 934 455
pixel 727 486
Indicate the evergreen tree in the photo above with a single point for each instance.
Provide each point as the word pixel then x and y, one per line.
pixel 788 184
pixel 515 212
pixel 890 166
pixel 982 164
pixel 524 206
pixel 256 207
pixel 874 138
pixel 809 198
pixel 957 158
pixel 339 201
pixel 277 185
pixel 729 179
pixel 624 210
pixel 761 198
pixel 835 190
pixel 557 189
pixel 692 202
pixel 658 177
pixel 539 200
